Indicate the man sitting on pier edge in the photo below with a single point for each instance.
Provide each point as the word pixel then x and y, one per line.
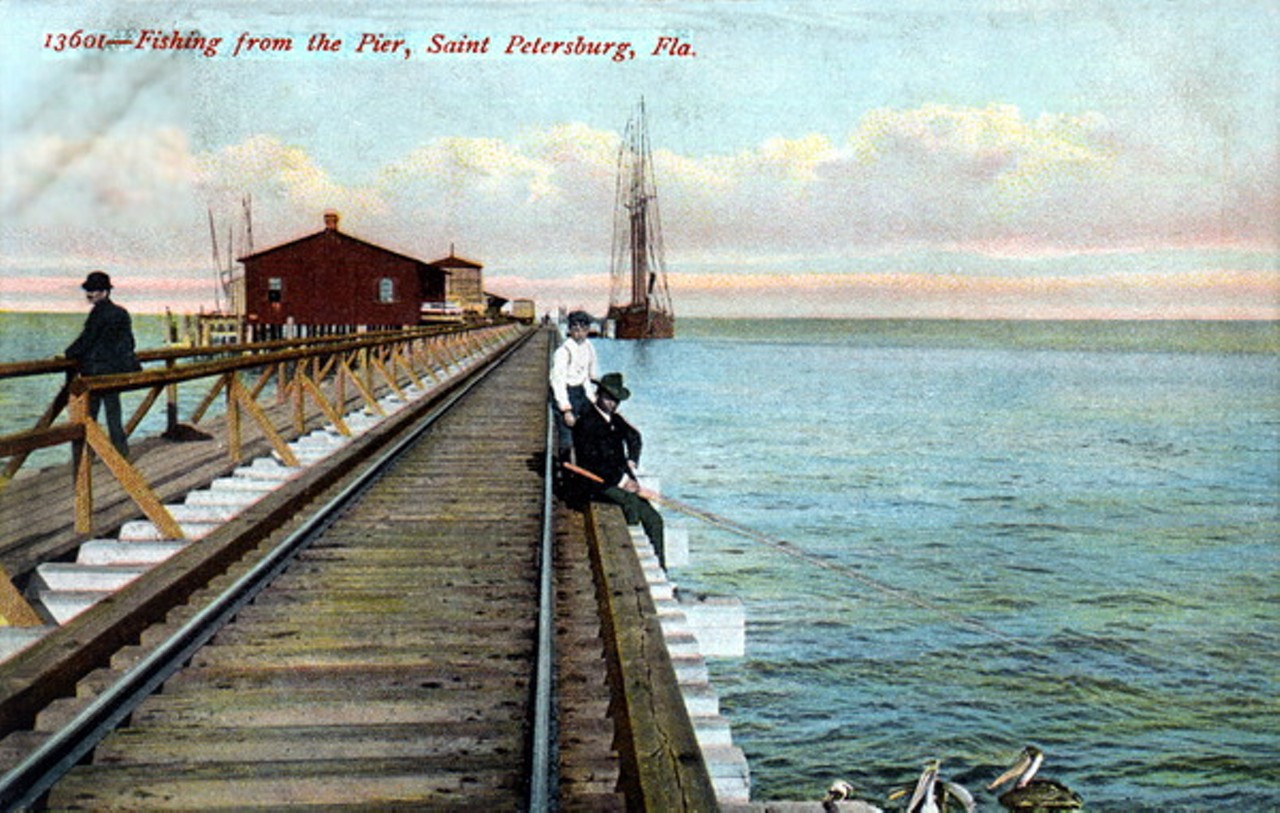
pixel 609 447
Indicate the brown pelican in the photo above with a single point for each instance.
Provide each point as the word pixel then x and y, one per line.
pixel 933 794
pixel 842 791
pixel 1034 794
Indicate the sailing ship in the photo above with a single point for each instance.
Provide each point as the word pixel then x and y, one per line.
pixel 639 300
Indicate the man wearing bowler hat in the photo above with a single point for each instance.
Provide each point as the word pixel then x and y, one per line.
pixel 105 346
pixel 609 447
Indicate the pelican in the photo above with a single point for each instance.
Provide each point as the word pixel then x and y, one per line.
pixel 1034 794
pixel 933 794
pixel 842 791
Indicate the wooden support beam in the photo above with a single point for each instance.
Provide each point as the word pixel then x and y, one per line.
pixel 14 609
pixel 56 406
pixel 298 398
pixel 134 484
pixel 427 358
pixel 245 401
pixel 387 376
pixel 405 359
pixel 143 409
pixel 365 392
pixel 82 463
pixel 267 374
pixel 330 412
pixel 662 764
pixel 207 401
pixel 234 431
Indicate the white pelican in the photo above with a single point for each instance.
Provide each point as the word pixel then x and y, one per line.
pixel 934 795
pixel 1034 794
pixel 842 791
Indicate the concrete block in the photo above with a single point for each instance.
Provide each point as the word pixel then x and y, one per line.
pixel 267 468
pixel 114 552
pixel 236 499
pixel 682 644
pixel 653 571
pixel 360 422
pixel 75 576
pixel 667 606
pixel 236 485
pixel 719 622
pixel 15 639
pixel 730 775
pixel 64 605
pixel 700 699
pixel 690 669
pixel 712 730
pixel 146 531
pixel 202 514
pixel 675 539
pixel 662 590
pixel 675 625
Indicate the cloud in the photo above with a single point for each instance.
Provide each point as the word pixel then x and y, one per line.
pixel 282 178
pixel 988 181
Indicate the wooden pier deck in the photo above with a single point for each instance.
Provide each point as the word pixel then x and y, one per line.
pixel 390 666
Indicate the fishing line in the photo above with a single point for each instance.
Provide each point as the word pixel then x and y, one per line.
pixel 794 551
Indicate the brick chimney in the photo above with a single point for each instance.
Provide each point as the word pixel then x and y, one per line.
pixel 330 220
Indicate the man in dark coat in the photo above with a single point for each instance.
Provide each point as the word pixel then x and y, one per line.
pixel 609 447
pixel 105 346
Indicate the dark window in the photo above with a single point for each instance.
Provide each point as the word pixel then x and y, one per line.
pixel 275 289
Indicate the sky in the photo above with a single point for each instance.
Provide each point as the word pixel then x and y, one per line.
pixel 921 159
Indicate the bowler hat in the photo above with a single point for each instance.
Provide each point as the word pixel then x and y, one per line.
pixel 611 384
pixel 96 281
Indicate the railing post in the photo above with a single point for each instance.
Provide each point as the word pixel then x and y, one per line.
pixel 296 395
pixel 233 417
pixel 171 393
pixel 81 461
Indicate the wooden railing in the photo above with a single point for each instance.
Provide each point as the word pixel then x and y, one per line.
pixel 326 372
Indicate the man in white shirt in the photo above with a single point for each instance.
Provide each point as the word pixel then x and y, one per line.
pixel 573 369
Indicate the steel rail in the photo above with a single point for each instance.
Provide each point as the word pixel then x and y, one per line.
pixel 24 785
pixel 542 745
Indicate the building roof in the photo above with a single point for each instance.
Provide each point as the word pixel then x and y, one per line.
pixel 454 261
pixel 331 227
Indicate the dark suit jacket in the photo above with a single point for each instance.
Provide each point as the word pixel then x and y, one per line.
pixel 105 345
pixel 604 447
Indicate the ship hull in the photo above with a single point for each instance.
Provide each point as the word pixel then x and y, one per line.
pixel 640 322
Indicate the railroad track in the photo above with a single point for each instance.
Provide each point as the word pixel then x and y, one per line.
pixel 378 650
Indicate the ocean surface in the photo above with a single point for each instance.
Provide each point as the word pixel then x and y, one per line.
pixel 1063 534
pixel 28 336
pixel 1013 532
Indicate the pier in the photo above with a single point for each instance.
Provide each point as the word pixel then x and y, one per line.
pixel 353 588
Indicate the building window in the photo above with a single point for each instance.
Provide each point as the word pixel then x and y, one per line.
pixel 275 289
pixel 386 290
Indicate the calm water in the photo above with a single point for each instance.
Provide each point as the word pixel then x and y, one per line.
pixel 34 336
pixel 1084 516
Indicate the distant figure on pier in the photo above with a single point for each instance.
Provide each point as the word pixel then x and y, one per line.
pixel 609 447
pixel 573 368
pixel 105 346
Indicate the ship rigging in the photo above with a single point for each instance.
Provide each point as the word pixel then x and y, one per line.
pixel 639 299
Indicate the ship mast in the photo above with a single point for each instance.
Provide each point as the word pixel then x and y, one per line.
pixel 637 258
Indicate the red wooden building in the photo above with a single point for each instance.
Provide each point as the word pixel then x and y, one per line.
pixel 330 282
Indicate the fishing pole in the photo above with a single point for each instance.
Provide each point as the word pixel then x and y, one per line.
pixel 797 552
